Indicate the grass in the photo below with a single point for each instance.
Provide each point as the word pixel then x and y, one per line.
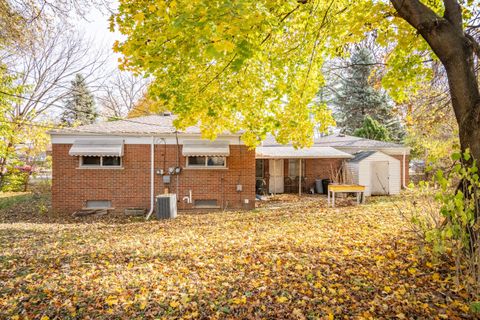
pixel 296 260
pixel 10 199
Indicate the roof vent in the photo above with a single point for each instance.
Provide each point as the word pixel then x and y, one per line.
pixel 166 113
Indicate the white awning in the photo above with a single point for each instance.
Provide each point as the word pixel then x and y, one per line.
pixel 106 148
pixel 289 152
pixel 206 148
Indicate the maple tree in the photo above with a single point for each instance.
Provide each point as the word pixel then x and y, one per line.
pixel 255 65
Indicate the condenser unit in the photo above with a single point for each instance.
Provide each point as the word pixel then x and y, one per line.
pixel 167 206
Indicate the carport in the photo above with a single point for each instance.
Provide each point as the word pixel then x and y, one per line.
pixel 276 156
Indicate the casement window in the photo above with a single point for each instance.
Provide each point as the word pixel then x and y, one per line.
pixel 206 162
pixel 100 162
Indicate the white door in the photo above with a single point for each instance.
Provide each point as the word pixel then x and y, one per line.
pixel 275 182
pixel 380 177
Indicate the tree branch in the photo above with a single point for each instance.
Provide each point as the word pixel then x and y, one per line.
pixel 475 45
pixel 453 13
pixel 416 13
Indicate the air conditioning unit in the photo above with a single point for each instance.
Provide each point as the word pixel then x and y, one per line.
pixel 167 206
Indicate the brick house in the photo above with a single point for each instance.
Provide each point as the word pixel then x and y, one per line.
pixel 109 164
pixel 123 164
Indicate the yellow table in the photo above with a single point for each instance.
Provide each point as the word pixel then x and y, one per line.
pixel 358 189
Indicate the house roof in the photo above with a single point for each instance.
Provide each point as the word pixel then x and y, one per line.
pixel 342 141
pixel 154 124
pixel 289 152
pixel 359 156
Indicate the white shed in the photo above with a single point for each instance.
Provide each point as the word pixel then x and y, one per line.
pixel 377 171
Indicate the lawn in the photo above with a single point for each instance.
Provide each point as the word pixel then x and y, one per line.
pixel 297 260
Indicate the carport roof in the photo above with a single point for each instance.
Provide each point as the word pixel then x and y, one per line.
pixel 289 152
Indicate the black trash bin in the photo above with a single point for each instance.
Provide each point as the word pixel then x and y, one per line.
pixel 318 186
pixel 325 183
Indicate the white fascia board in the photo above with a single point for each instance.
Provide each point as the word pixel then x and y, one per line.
pixel 300 157
pixel 139 139
pixel 400 151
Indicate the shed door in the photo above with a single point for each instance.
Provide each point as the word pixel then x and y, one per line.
pixel 275 182
pixel 380 177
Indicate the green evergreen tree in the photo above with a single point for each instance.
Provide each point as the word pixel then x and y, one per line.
pixel 355 98
pixel 372 129
pixel 79 104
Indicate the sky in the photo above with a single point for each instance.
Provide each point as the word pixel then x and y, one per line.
pixel 95 26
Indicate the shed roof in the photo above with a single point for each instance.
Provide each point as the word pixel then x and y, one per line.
pixel 359 156
pixel 289 152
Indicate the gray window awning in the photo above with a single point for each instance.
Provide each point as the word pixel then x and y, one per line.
pixel 206 148
pixel 105 148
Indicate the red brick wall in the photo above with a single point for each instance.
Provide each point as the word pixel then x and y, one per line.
pixel 130 186
pixel 407 166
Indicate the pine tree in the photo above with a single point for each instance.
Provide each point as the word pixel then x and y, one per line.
pixel 372 129
pixel 355 98
pixel 79 104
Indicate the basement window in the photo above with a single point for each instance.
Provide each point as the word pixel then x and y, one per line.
pixel 100 161
pixel 206 161
pixel 206 203
pixel 98 204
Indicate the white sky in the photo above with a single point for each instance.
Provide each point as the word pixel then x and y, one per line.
pixel 95 27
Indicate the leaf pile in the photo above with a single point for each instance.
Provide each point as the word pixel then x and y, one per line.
pixel 300 260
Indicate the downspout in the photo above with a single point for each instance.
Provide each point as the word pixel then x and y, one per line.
pixel 152 178
pixel 404 168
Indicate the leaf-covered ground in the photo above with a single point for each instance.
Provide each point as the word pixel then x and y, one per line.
pixel 296 260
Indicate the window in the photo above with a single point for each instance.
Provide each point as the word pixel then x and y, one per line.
pixel 206 161
pixel 98 161
pixel 293 167
pixel 210 203
pixel 259 168
pixel 99 204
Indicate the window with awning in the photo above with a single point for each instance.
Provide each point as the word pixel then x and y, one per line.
pixel 97 148
pixel 202 148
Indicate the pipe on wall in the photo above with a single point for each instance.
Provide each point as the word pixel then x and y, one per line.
pixel 152 178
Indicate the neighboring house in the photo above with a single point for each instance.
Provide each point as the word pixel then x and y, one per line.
pixel 109 164
pixel 124 164
pixel 332 157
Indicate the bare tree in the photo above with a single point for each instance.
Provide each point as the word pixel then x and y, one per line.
pixel 20 20
pixel 46 67
pixel 121 94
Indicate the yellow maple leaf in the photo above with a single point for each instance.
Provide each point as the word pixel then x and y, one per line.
pixel 174 304
pixel 387 289
pixel 282 299
pixel 111 300
pixel 139 17
pixel 224 45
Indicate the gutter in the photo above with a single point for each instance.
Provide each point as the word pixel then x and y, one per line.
pixel 152 178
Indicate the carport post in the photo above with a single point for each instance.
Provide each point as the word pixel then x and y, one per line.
pixel 274 178
pixel 300 177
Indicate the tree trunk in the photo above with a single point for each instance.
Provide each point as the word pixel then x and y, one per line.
pixel 446 37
